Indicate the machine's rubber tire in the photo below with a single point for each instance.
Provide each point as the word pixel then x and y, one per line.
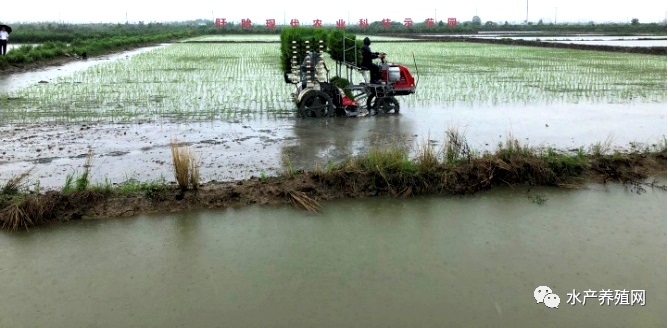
pixel 316 104
pixel 386 105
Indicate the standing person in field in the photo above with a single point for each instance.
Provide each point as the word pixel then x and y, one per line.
pixel 4 38
pixel 367 57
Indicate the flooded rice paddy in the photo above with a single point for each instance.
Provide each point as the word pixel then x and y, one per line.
pixel 429 262
pixel 230 103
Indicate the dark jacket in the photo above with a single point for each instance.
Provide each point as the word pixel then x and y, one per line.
pixel 367 55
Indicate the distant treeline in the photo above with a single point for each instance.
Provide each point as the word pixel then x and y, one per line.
pixel 69 33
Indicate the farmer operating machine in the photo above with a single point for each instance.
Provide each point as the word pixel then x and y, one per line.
pixel 318 95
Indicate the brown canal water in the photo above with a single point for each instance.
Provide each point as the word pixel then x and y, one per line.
pixel 470 261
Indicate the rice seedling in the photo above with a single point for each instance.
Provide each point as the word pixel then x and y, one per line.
pixel 287 166
pixel 67 187
pixel 83 181
pixel 76 182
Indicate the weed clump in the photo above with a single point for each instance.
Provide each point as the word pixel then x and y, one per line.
pixel 186 167
pixel 12 186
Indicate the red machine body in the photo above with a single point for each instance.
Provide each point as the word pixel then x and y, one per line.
pixel 404 85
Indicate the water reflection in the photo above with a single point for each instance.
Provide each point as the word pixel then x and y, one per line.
pixel 428 262
pixel 324 141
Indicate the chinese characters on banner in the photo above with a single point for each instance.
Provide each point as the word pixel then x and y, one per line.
pixel 386 22
pixel 340 24
pixel 271 24
pixel 220 22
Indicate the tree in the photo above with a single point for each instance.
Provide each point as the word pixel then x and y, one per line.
pixel 490 23
pixel 635 21
pixel 476 21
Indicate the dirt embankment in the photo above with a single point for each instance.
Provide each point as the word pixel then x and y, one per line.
pixel 29 67
pixel 309 189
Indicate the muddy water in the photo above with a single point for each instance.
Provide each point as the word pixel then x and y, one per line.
pixel 430 262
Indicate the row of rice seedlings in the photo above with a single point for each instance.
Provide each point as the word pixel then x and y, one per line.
pixel 222 81
pixel 184 81
pixel 456 72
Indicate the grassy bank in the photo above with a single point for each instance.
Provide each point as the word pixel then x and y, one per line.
pixel 50 51
pixel 454 169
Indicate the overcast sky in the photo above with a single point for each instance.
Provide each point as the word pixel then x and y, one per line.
pixel 514 11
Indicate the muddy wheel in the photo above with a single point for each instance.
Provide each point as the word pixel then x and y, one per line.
pixel 387 105
pixel 316 104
